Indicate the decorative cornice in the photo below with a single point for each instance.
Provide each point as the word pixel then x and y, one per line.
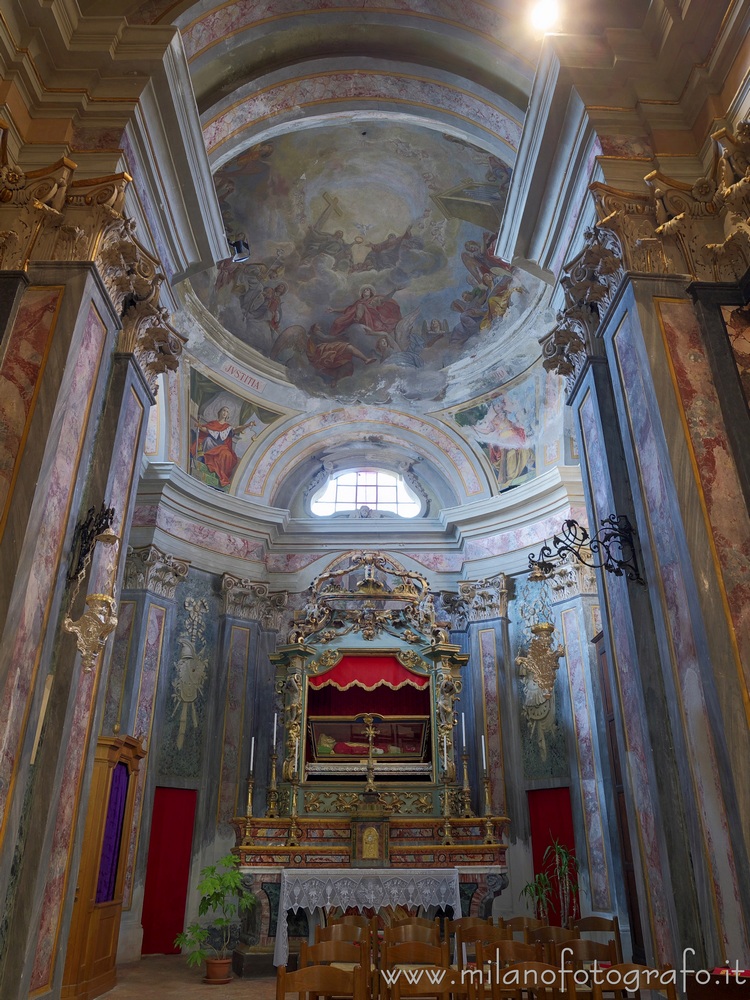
pixel 47 216
pixel 253 601
pixel 478 601
pixel 149 568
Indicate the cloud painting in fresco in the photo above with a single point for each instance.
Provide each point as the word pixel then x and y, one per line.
pixel 515 426
pixel 372 265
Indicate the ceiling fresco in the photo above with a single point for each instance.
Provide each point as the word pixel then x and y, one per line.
pixel 371 275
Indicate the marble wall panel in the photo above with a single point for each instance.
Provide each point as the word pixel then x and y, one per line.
pixel 21 372
pixel 686 647
pixel 234 710
pixel 488 657
pixel 654 864
pixel 118 665
pixel 715 470
pixel 27 619
pixel 576 661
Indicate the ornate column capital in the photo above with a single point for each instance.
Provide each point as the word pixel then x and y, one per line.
pixel 572 578
pixel 45 215
pixel 253 601
pixel 149 568
pixel 478 600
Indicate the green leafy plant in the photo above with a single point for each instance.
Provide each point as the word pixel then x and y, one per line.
pixel 538 892
pixel 562 866
pixel 223 895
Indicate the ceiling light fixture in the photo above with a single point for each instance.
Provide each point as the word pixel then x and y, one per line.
pixel 545 15
pixel 241 250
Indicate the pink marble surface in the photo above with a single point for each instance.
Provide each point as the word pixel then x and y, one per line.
pixel 274 461
pixel 231 766
pixel 492 722
pixel 358 87
pixel 119 493
pixel 576 661
pixel 226 19
pixel 58 863
pixel 204 536
pixel 438 562
pixel 174 417
pixel 144 718
pixel 152 432
pixel 519 538
pixel 686 660
pixel 290 562
pixel 32 598
pixel 21 373
pixel 716 471
pixel 118 664
pixel 638 751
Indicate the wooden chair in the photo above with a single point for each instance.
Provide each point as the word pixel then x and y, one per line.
pixel 412 932
pixel 524 925
pixel 321 980
pixel 419 921
pixel 586 926
pixel 550 937
pixel 407 953
pixel 626 979
pixel 342 932
pixel 500 953
pixel 581 952
pixel 468 938
pixel 439 981
pixel 537 980
pixel 346 955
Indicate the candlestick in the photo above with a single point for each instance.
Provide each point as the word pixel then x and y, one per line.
pixel 294 830
pixel 445 754
pixel 484 756
pixel 249 811
pixel 272 810
pixel 252 754
pixel 463 731
pixel 447 830
pixel 466 789
pixel 275 720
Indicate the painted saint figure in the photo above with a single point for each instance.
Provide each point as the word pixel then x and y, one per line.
pixel 213 447
pixel 377 313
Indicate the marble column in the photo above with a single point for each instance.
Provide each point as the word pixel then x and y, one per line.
pixel 136 696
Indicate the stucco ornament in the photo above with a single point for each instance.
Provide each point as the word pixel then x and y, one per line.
pixel 191 669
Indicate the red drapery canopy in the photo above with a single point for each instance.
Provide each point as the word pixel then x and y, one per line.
pixel 369 672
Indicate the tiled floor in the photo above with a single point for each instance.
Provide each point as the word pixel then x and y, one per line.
pixel 163 977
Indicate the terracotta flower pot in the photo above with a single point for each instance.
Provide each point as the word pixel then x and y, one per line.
pixel 218 970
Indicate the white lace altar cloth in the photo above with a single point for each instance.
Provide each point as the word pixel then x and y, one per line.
pixel 370 888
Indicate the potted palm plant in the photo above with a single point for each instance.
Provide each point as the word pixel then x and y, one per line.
pixel 223 896
pixel 538 893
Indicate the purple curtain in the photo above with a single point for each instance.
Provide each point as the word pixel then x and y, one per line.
pixel 105 887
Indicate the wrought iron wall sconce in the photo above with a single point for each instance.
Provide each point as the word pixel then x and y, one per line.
pixel 99 618
pixel 612 548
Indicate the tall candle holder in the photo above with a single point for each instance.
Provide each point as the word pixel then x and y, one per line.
pixel 272 808
pixel 294 830
pixel 466 810
pixel 488 824
pixel 249 811
pixel 447 829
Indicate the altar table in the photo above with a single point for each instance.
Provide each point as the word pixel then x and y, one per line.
pixel 367 888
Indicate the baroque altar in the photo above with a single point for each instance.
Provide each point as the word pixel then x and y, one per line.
pixel 367 771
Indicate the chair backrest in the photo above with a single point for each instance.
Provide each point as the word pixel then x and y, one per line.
pixel 524 925
pixel 627 978
pixel 609 926
pixel 412 932
pixel 550 938
pixel 581 952
pixel 358 919
pixel 540 979
pixel 341 932
pixel 433 981
pixel 467 939
pixel 413 953
pixel 499 953
pixel 419 921
pixel 321 979
pixel 326 952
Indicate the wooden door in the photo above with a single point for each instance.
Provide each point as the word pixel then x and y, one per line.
pixel 95 923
